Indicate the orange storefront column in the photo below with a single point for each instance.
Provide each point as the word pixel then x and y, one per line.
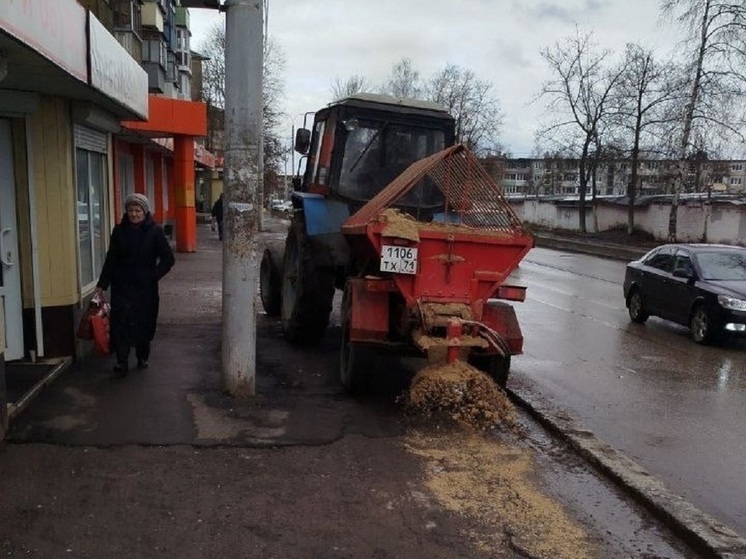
pixel 183 210
pixel 168 165
pixel 138 154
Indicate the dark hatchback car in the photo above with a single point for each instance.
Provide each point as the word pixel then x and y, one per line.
pixel 701 286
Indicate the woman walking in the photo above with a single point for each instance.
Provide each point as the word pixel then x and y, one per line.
pixel 139 256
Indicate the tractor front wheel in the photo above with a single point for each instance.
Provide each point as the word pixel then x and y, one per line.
pixel 270 280
pixel 307 289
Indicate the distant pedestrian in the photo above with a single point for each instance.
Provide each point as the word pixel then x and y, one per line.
pixel 139 256
pixel 217 215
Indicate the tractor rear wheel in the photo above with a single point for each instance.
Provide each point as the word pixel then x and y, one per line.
pixel 307 289
pixel 350 354
pixel 495 365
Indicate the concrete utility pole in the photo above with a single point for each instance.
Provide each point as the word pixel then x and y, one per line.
pixel 242 192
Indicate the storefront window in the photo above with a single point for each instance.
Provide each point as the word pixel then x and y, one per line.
pixel 91 189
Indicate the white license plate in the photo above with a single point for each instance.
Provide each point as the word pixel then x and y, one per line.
pixel 398 260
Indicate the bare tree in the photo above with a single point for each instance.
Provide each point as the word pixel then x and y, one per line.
pixel 354 84
pixel 272 100
pixel 578 97
pixel 642 104
pixel 213 84
pixel 273 97
pixel 717 42
pixel 404 80
pixel 469 100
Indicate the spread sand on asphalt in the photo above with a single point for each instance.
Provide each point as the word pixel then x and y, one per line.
pixel 460 393
pixel 493 487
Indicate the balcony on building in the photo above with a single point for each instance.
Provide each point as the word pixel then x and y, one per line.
pixel 155 61
pixel 127 25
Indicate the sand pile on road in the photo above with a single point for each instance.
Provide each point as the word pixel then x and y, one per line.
pixel 461 393
pixel 495 485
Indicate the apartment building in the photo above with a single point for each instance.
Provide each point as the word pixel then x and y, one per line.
pixel 95 103
pixel 561 177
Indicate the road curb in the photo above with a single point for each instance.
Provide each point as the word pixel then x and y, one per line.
pixel 617 252
pixel 705 534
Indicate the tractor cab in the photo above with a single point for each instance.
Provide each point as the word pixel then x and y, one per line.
pixel 359 144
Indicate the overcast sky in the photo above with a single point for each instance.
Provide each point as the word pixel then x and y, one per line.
pixel 500 40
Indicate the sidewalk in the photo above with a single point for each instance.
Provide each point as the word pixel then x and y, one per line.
pixel 179 399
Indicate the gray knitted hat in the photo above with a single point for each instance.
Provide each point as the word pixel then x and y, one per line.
pixel 139 199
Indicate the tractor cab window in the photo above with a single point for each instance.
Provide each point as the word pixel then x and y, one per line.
pixel 376 152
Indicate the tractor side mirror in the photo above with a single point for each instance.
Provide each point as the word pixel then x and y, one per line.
pixel 302 140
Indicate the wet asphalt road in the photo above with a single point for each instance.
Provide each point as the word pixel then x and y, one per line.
pixel 677 408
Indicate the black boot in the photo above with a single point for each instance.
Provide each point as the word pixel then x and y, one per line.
pixel 142 351
pixel 121 369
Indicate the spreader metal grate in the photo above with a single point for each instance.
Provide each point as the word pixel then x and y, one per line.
pixel 472 198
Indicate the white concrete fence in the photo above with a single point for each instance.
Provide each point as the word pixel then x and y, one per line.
pixel 721 221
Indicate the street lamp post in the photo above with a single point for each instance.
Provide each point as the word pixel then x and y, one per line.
pixel 242 193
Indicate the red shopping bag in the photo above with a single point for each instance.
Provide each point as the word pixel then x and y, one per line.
pixel 100 326
pixel 97 317
pixel 85 328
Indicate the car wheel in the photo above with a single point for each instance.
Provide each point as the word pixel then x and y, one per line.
pixel 636 307
pixel 701 326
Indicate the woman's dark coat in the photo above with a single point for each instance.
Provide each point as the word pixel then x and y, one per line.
pixel 137 258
